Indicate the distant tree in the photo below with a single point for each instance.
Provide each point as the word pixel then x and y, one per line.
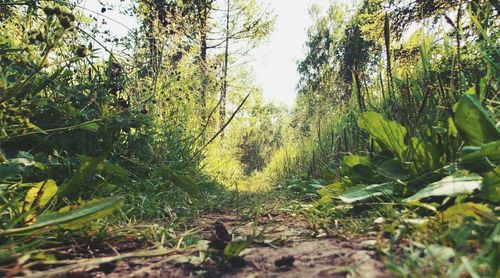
pixel 246 24
pixel 206 25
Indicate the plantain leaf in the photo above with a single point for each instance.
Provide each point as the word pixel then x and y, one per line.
pixel 363 173
pixel 234 248
pixel 328 192
pixel 72 219
pixel 490 150
pixel 426 155
pixel 39 196
pixel 449 186
pixel 389 134
pixel 457 212
pixel 353 160
pixel 490 190
pixel 349 162
pixel 365 192
pixel 393 169
pixel 473 121
pixel 72 187
pixel 14 167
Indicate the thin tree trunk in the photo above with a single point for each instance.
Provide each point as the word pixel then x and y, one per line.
pixel 223 95
pixel 203 16
pixel 357 84
pixel 387 39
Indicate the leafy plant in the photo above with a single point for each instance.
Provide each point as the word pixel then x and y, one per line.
pixel 389 134
pixel 474 122
pixel 71 219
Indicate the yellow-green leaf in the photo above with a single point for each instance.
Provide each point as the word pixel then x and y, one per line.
pixel 473 121
pixel 490 190
pixel 39 196
pixel 72 219
pixel 389 134
pixel 456 213
pixel 426 155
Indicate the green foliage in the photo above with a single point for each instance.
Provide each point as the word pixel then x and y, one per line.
pixel 389 134
pixel 411 137
pixel 451 186
pixel 366 192
pixel 235 247
pixel 75 187
pixel 490 189
pixel 72 219
pixel 419 132
pixel 425 155
pixel 85 133
pixel 474 122
pixel 14 167
pixel 39 196
pixel 488 150
pixel 393 169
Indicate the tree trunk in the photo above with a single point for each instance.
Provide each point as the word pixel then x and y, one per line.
pixel 223 94
pixel 203 17
pixel 387 39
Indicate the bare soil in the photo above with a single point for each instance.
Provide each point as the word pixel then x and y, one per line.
pixel 288 247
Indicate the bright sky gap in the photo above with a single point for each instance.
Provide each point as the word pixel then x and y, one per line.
pixel 274 63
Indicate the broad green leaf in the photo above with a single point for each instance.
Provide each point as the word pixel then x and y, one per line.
pixel 331 188
pixel 456 213
pixel 14 167
pixel 490 150
pixel 365 192
pixel 490 190
pixel 72 219
pixel 353 160
pixel 350 161
pixel 315 184
pixel 473 121
pixel 426 155
pixel 363 173
pixel 234 248
pixel 393 169
pixel 39 196
pixel 449 186
pixel 328 192
pixel 483 84
pixel 389 134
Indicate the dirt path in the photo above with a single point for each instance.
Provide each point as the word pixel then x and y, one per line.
pixel 287 241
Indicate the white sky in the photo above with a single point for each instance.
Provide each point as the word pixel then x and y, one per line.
pixel 275 62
